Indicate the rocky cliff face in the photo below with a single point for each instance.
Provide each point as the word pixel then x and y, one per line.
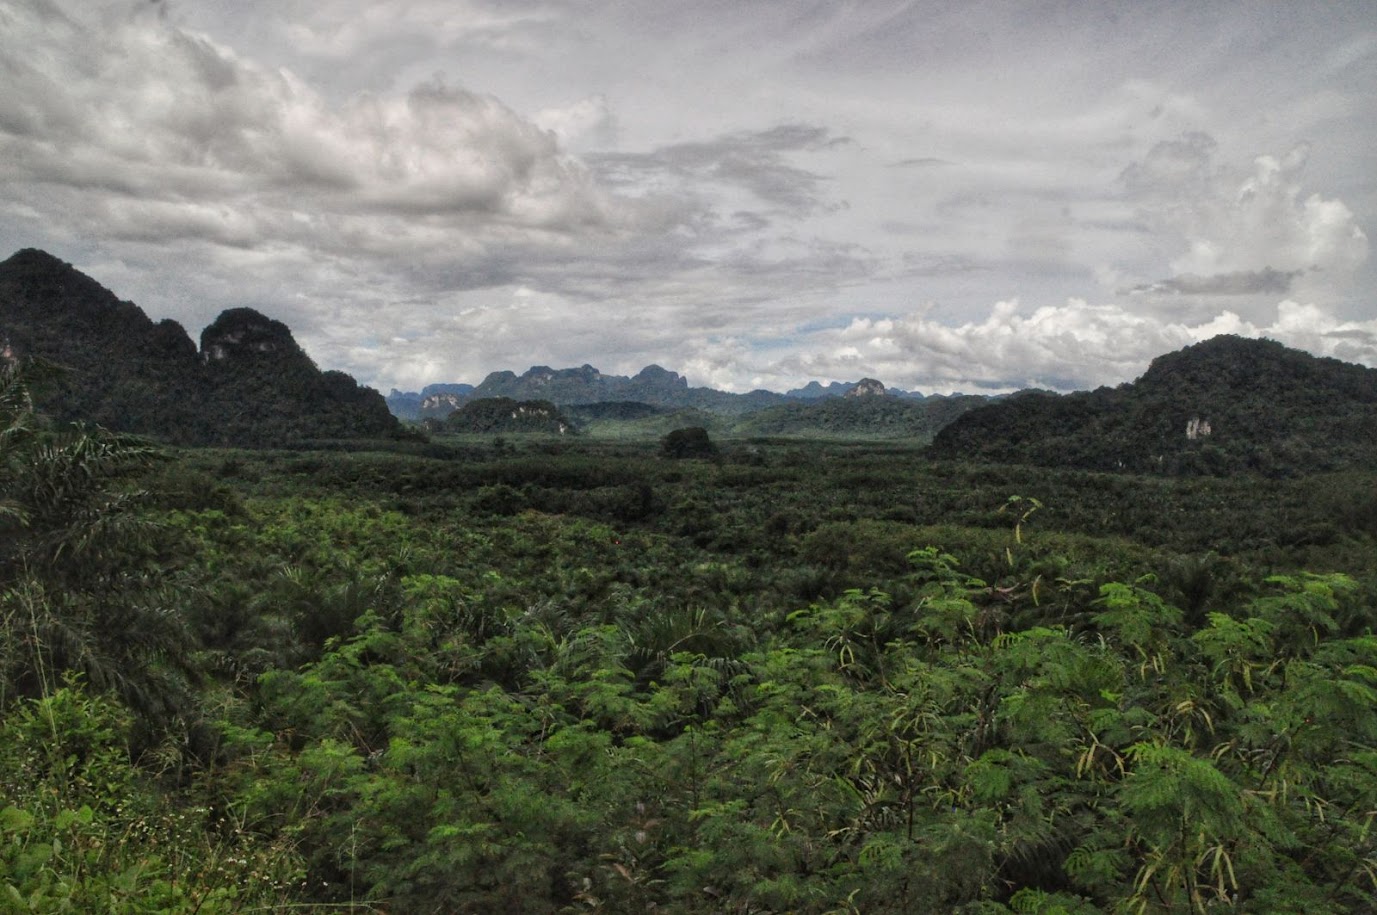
pixel 434 400
pixel 249 383
pixel 440 405
pixel 242 333
pixel 867 387
pixel 584 384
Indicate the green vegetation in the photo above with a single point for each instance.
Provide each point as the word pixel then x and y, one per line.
pixel 569 675
pixel 502 414
pixel 872 416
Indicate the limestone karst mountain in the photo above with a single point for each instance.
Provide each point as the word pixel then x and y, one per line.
pixel 249 383
pixel 1225 405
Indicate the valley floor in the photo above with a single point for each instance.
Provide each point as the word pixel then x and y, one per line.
pixel 558 675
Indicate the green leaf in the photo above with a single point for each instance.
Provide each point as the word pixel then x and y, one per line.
pixel 12 819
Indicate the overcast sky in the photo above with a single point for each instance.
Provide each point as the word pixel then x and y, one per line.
pixel 977 196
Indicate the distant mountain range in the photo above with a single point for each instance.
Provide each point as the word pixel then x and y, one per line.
pixel 432 400
pixel 584 385
pixel 862 411
pixel 587 385
pixel 1223 406
pixel 656 400
pixel 249 383
pixel 1226 405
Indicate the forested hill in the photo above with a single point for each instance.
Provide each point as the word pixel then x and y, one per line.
pixel 502 415
pixel 1226 405
pixel 873 416
pixel 248 384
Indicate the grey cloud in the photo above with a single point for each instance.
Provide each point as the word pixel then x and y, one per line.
pixel 753 161
pixel 915 264
pixel 792 137
pixel 1174 168
pixel 268 152
pixel 835 262
pixel 750 222
pixel 922 162
pixel 171 117
pixel 1255 282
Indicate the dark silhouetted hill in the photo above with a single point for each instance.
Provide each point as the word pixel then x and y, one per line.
pixel 1226 405
pixel 248 384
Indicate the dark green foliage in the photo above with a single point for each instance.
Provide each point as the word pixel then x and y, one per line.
pixel 689 442
pixel 82 829
pixel 859 417
pixel 568 675
pixel 622 410
pixel 78 589
pixel 504 415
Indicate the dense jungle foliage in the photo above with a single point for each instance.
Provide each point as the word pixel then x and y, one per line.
pixel 538 675
pixel 502 414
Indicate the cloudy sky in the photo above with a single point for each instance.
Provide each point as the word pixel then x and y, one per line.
pixel 976 196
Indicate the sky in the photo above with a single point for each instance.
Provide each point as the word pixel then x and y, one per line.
pixel 976 196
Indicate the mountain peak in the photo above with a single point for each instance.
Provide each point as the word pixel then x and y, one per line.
pixel 1225 405
pixel 238 332
pixel 658 375
pixel 250 384
pixel 35 258
pixel 41 284
pixel 867 387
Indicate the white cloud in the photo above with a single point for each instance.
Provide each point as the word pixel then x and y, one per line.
pixel 179 123
pixel 586 124
pixel 1075 346
pixel 1230 225
pixel 170 152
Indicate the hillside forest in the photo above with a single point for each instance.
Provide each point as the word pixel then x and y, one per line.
pixel 542 673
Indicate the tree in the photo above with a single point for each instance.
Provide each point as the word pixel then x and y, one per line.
pixel 690 442
pixel 76 588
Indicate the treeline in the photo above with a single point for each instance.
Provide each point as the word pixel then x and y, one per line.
pixel 568 677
